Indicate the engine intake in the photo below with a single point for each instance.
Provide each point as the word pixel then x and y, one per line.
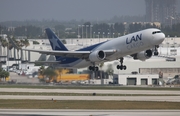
pixel 97 56
pixel 143 55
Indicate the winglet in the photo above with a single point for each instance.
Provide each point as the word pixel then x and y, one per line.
pixel 13 43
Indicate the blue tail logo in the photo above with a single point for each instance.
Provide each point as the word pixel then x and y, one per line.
pixel 56 44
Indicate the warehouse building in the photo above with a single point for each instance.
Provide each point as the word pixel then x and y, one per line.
pixel 138 79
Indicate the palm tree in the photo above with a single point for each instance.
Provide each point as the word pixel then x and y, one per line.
pixel 22 45
pixel 50 73
pixel 4 44
pixel 3 74
pixel 19 44
pixel 0 52
pixel 110 70
pixel 10 47
pixel 41 73
pixel 26 43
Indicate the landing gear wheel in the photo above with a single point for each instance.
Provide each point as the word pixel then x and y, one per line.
pixel 121 67
pixel 124 67
pixel 93 68
pixel 90 68
pixel 156 53
pixel 96 68
pixel 118 67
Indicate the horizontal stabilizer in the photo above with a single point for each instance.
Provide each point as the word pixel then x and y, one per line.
pixel 47 62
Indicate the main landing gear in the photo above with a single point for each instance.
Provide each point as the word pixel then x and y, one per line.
pixel 156 53
pixel 121 67
pixel 93 68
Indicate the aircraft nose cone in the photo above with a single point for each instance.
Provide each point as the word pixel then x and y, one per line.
pixel 160 38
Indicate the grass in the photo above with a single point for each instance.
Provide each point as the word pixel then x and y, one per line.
pixel 80 94
pixel 89 87
pixel 76 104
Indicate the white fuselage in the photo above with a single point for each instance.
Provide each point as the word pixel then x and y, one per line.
pixel 125 45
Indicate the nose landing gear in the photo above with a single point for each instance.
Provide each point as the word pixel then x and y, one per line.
pixel 156 53
pixel 121 67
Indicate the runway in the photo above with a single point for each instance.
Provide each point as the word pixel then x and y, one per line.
pixel 108 98
pixel 82 112
pixel 155 92
pixel 72 112
pixel 90 97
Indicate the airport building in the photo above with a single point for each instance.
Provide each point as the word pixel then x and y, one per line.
pixel 140 79
pixel 164 11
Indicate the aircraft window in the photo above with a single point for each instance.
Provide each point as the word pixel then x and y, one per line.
pixel 156 32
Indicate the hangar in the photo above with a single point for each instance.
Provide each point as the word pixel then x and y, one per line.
pixel 138 79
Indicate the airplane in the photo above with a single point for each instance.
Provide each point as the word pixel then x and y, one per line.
pixel 140 45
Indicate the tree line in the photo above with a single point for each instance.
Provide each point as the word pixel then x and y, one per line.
pixel 88 30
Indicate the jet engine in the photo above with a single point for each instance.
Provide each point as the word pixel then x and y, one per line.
pixel 97 56
pixel 143 55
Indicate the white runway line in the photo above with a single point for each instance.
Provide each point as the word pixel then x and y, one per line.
pixel 107 98
pixel 157 92
pixel 82 112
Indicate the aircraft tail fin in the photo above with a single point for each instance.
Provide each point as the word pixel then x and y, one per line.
pixel 55 42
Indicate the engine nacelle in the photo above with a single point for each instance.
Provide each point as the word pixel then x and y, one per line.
pixel 143 55
pixel 97 56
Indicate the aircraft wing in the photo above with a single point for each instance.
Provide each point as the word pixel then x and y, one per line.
pixel 72 54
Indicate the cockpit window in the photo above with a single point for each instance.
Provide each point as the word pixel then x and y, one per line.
pixel 156 32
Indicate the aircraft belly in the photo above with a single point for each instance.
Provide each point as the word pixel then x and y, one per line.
pixel 82 64
pixel 77 64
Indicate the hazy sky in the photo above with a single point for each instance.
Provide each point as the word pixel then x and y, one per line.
pixel 68 9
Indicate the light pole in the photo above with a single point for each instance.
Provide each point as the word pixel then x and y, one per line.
pixel 103 34
pixel 86 30
pixel 167 47
pixel 175 41
pixel 82 30
pixel 94 34
pixel 98 36
pixel 8 55
pixel 171 18
pixel 119 34
pixel 91 31
pixel 167 44
pixel 78 31
pixel 26 32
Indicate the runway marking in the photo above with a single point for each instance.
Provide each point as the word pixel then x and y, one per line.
pixel 82 112
pixel 106 98
pixel 158 92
